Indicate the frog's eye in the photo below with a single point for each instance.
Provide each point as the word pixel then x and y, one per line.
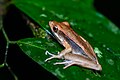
pixel 55 28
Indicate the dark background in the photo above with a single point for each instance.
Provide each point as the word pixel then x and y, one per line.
pixel 15 27
pixel 110 9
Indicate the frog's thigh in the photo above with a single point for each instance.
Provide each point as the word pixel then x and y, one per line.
pixel 65 62
pixel 76 63
pixel 70 64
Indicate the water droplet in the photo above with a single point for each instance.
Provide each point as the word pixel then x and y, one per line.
pixel 61 16
pixel 38 41
pixel 90 35
pixel 110 61
pixel 59 73
pixel 98 14
pixel 28 42
pixel 41 62
pixel 87 79
pixel 43 8
pixel 38 57
pixel 54 73
pixel 73 23
pixel 108 49
pixel 98 52
pixel 28 52
pixel 20 45
pixel 50 44
pixel 66 18
pixel 104 45
pixel 43 15
pixel 113 28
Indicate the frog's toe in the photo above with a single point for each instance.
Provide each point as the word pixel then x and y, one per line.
pixel 48 53
pixel 48 59
pixel 53 56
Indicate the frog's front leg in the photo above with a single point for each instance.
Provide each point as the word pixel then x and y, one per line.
pixel 60 55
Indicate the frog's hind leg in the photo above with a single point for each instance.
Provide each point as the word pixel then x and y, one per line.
pixel 67 63
pixel 72 63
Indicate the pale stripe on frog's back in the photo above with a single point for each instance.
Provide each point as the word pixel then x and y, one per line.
pixel 79 41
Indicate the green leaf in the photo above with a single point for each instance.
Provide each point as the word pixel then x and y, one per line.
pixel 36 49
pixel 102 34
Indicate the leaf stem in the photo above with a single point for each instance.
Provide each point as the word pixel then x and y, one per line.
pixel 3 6
pixel 6 52
pixel 5 58
pixel 13 74
pixel 5 35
